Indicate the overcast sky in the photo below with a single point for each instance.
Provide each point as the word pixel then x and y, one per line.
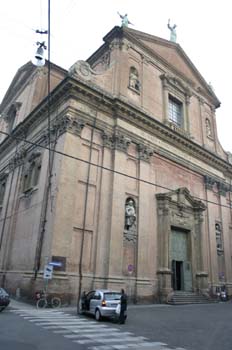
pixel 77 29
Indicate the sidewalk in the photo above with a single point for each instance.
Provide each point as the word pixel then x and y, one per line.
pixel 19 304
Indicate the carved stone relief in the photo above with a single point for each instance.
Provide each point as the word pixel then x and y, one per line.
pixel 215 185
pixel 83 70
pixel 116 141
pixel 17 159
pixel 144 153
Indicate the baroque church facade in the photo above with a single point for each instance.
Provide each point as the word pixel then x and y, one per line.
pixel 117 175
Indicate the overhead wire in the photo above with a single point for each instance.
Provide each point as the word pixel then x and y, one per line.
pixel 105 168
pixel 69 8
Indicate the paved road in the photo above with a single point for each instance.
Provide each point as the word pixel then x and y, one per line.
pixel 159 327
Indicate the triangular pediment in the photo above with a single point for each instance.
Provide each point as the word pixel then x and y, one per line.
pixel 22 79
pixel 173 56
pixel 19 80
pixel 182 199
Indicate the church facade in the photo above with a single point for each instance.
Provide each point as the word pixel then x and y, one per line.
pixel 117 176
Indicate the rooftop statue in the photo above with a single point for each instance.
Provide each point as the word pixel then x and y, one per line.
pixel 173 31
pixel 125 21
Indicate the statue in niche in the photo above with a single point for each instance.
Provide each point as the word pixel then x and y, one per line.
pixel 133 79
pixel 208 128
pixel 130 214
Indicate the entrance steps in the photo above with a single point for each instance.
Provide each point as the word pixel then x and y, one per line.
pixel 182 297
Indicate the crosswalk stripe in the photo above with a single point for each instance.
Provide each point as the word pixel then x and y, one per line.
pixel 62 331
pixel 84 331
pixel 121 339
pixel 60 321
pixel 61 317
pixel 71 328
pixel 138 346
pixel 141 346
pixel 101 347
pixel 42 323
pixel 38 312
pixel 93 331
pixel 91 335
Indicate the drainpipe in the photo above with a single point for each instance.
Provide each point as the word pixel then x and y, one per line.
pixel 43 217
pixel 4 221
pixel 85 217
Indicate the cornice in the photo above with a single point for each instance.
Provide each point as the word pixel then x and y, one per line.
pixel 147 123
pixel 73 88
pixel 135 37
pixel 213 184
pixel 131 33
pixel 38 115
pixel 3 175
pixel 116 141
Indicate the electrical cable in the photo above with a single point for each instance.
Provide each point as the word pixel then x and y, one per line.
pixel 105 168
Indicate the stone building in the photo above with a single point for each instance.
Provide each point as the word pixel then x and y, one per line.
pixel 117 174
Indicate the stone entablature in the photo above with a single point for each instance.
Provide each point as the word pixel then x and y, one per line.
pixel 121 142
pixel 68 123
pixel 116 141
pixel 17 159
pixel 145 152
pixel 213 184
pixel 139 117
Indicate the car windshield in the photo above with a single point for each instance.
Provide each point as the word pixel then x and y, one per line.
pixel 2 291
pixel 112 296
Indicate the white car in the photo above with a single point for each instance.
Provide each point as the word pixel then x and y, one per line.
pixel 100 303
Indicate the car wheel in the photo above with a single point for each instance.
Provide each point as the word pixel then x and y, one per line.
pixel 97 315
pixel 2 308
pixel 80 309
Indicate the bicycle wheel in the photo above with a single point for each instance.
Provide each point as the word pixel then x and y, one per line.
pixel 41 303
pixel 56 302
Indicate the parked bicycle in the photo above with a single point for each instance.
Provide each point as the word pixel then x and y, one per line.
pixel 44 300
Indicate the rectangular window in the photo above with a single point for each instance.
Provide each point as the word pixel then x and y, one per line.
pixel 175 111
pixel 31 172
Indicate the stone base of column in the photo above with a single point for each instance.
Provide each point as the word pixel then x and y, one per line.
pixel 164 284
pixel 202 282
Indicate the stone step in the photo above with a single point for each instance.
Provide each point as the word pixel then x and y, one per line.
pixel 179 298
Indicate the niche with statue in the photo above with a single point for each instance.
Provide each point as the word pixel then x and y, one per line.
pixel 130 237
